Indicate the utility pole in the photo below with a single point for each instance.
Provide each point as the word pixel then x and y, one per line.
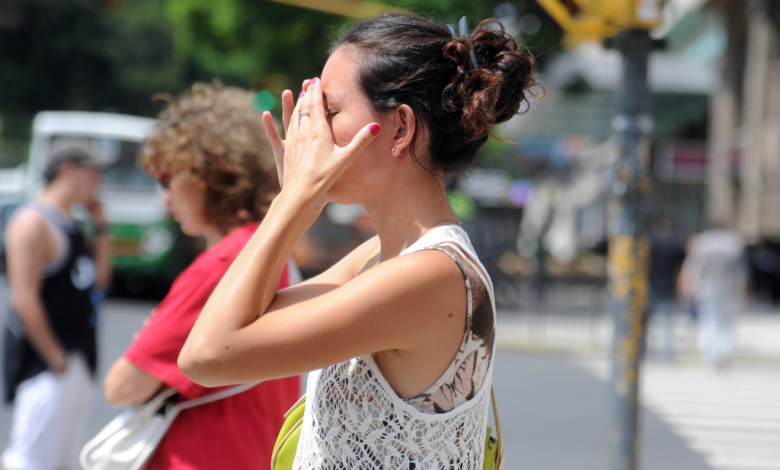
pixel 753 171
pixel 724 120
pixel 629 247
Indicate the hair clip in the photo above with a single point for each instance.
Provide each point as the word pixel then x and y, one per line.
pixel 464 33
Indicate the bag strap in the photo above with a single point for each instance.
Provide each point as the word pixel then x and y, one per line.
pixel 499 434
pixel 228 392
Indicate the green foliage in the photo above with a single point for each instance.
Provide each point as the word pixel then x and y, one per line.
pixel 245 40
pixel 262 44
pixel 450 10
pixel 82 55
pixel 140 51
pixel 114 55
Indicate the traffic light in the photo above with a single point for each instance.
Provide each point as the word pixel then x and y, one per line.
pixel 629 14
pixel 597 20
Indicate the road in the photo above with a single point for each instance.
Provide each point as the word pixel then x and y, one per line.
pixel 554 408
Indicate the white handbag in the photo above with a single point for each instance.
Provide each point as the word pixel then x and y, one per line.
pixel 129 440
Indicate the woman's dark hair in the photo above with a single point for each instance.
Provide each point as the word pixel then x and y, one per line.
pixel 403 59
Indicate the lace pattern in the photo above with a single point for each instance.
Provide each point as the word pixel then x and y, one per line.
pixel 355 420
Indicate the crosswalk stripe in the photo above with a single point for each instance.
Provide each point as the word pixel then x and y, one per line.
pixel 726 437
pixel 743 463
pixel 719 423
pixel 731 418
pixel 712 400
pixel 707 410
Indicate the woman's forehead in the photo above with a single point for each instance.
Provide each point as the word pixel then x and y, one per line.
pixel 338 83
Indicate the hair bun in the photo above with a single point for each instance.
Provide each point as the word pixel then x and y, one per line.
pixel 495 91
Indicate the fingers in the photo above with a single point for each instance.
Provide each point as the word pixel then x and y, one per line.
pixel 270 131
pixel 287 109
pixel 311 112
pixel 277 144
pixel 361 140
pixel 314 100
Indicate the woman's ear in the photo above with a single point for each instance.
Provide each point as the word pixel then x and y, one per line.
pixel 405 129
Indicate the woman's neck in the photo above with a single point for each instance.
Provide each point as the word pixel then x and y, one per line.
pixel 214 235
pixel 409 213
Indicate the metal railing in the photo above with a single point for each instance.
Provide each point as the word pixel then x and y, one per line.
pixel 566 309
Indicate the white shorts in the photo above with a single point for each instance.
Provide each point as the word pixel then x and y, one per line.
pixel 50 413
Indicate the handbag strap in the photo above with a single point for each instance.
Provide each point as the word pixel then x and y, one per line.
pixel 499 434
pixel 228 392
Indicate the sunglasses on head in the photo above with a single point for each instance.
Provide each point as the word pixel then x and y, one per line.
pixel 164 179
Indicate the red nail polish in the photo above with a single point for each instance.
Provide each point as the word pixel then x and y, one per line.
pixel 314 80
pixel 373 129
pixel 301 95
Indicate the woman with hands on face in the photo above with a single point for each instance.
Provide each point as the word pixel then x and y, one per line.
pixel 401 352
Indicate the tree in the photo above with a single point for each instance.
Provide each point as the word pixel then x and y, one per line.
pixel 114 55
pixel 261 44
pixel 84 55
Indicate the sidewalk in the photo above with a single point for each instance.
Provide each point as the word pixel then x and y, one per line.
pixel 757 334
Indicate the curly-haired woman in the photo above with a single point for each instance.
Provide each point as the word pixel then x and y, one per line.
pixel 210 155
pixel 405 348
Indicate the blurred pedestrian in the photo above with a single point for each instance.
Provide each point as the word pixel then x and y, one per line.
pixel 401 353
pixel 211 157
pixel 765 266
pixel 50 349
pixel 714 277
pixel 666 257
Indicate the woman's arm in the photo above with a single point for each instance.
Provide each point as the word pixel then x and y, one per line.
pixel 411 303
pixel 312 163
pixel 126 384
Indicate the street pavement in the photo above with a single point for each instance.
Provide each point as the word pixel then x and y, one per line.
pixel 555 407
pixel 555 415
pixel 729 418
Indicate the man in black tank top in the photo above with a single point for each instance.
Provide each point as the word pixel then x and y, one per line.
pixel 50 351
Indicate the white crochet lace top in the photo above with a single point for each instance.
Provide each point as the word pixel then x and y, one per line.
pixel 354 419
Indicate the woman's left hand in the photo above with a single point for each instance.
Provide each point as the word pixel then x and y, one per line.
pixel 312 161
pixel 277 144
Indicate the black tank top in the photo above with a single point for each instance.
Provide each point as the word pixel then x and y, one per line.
pixel 67 297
